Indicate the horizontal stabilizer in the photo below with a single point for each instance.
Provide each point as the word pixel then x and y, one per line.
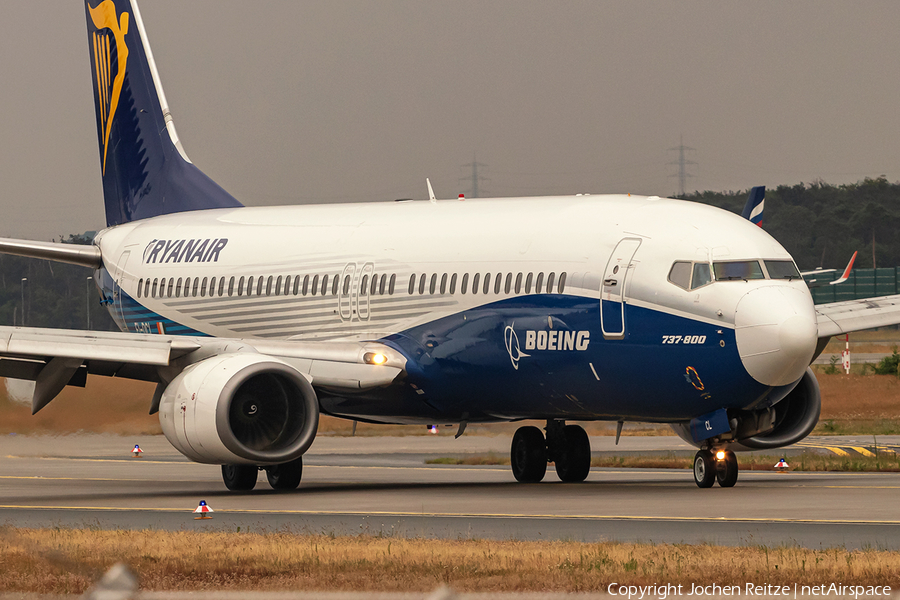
pixel 74 254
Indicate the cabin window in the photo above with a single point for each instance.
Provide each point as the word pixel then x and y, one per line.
pixel 203 286
pixel 422 281
pixel 538 283
pixel 250 285
pixel 187 287
pixel 260 282
pixel 498 282
pixel 486 286
pixel 278 283
pixel 433 284
pixel 551 278
pixel 212 287
pixel 334 285
pixel 222 285
pixel 444 283
pixel 231 287
pixel 196 287
pixel 346 284
pixel 680 274
pixel 364 285
pixel 453 284
pixel 240 287
pixel 268 285
pixel 324 284
pixel 140 287
pixel 147 288
pixel 508 285
pixel 178 288
pixel 374 289
pixel 297 282
pixel 782 269
pixel 305 287
pixel 562 283
pixel 391 285
pixel 154 288
pixel 528 283
pixel 465 283
pixel 518 283
pixel 381 284
pixel 738 270
pixel 412 283
pixel 171 289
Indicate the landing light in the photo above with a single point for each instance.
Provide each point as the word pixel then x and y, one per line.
pixel 374 358
pixel 720 455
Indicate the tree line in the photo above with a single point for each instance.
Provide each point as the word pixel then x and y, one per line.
pixel 821 225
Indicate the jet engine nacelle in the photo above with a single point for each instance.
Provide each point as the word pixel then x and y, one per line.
pixel 241 408
pixel 795 417
pixel 787 422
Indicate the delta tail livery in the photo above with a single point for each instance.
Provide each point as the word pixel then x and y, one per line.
pixel 254 321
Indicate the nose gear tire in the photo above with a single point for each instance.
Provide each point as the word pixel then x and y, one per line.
pixel 704 469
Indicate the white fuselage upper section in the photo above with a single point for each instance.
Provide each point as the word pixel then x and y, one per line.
pixel 159 262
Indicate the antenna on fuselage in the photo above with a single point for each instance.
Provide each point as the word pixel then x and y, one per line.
pixel 430 191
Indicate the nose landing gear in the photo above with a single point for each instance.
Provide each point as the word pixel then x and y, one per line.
pixel 710 467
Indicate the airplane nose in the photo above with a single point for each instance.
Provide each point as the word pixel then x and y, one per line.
pixel 776 333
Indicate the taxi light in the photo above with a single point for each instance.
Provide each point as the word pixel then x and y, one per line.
pixel 374 358
pixel 720 455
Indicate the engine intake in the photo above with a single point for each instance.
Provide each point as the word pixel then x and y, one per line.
pixel 241 408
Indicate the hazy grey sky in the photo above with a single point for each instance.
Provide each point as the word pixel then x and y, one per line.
pixel 294 102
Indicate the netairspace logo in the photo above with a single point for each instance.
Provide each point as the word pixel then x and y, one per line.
pixel 663 591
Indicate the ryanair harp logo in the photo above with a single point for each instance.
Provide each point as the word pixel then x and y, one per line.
pixel 110 52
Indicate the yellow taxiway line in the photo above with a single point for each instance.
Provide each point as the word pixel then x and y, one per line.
pixel 220 511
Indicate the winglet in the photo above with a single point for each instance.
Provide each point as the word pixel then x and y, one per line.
pixel 430 191
pixel 846 272
pixel 753 210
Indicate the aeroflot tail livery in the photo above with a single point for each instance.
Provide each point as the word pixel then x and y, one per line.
pixel 253 321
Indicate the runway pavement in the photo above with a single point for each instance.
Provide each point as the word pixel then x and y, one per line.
pixel 381 486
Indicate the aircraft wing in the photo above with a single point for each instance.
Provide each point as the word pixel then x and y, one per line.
pixel 855 315
pixel 55 358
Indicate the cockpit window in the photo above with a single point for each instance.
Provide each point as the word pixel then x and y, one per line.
pixel 782 269
pixel 701 275
pixel 688 275
pixel 680 274
pixel 738 270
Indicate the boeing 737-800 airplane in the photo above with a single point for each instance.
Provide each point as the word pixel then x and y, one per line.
pixel 253 321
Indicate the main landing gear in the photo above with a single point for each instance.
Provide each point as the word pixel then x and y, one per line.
pixel 711 466
pixel 567 446
pixel 283 477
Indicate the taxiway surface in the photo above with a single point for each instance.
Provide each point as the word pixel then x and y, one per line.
pixel 381 486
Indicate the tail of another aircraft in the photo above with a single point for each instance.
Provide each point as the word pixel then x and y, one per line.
pixel 145 170
pixel 753 210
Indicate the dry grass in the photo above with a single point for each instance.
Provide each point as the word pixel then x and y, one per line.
pixel 856 403
pixel 67 561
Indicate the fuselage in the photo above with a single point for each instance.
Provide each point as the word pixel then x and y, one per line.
pixel 561 307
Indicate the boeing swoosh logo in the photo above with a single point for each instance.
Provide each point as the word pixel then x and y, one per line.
pixel 512 346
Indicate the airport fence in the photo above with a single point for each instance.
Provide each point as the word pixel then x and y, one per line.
pixel 862 283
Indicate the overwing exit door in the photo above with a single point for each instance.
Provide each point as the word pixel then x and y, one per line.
pixel 612 289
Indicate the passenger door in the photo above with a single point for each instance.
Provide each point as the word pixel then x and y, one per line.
pixel 612 289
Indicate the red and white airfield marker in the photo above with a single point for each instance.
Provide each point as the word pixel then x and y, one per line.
pixel 137 451
pixel 203 510
pixel 782 466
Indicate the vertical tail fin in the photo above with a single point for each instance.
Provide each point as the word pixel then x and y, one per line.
pixel 145 170
pixel 753 210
